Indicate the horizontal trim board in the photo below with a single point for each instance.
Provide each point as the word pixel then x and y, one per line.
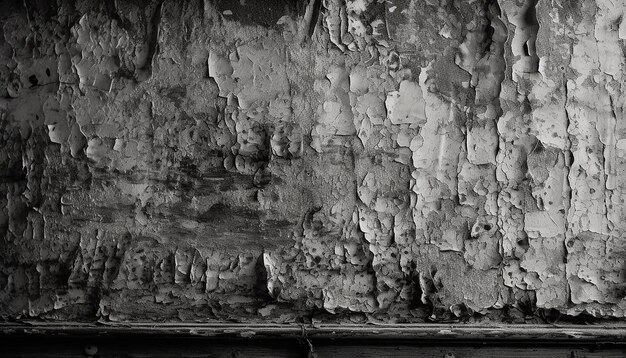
pixel 153 340
pixel 447 332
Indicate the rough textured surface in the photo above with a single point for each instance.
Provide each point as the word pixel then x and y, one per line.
pixel 335 160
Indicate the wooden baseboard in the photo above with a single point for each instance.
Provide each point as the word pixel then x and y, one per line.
pixel 614 333
pixel 71 339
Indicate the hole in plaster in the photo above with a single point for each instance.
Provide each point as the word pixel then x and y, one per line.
pixel 525 49
pixel 523 242
pixel 33 80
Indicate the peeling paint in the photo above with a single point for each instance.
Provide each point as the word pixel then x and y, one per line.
pixel 347 161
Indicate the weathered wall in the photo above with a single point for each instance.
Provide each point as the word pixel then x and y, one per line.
pixel 396 161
